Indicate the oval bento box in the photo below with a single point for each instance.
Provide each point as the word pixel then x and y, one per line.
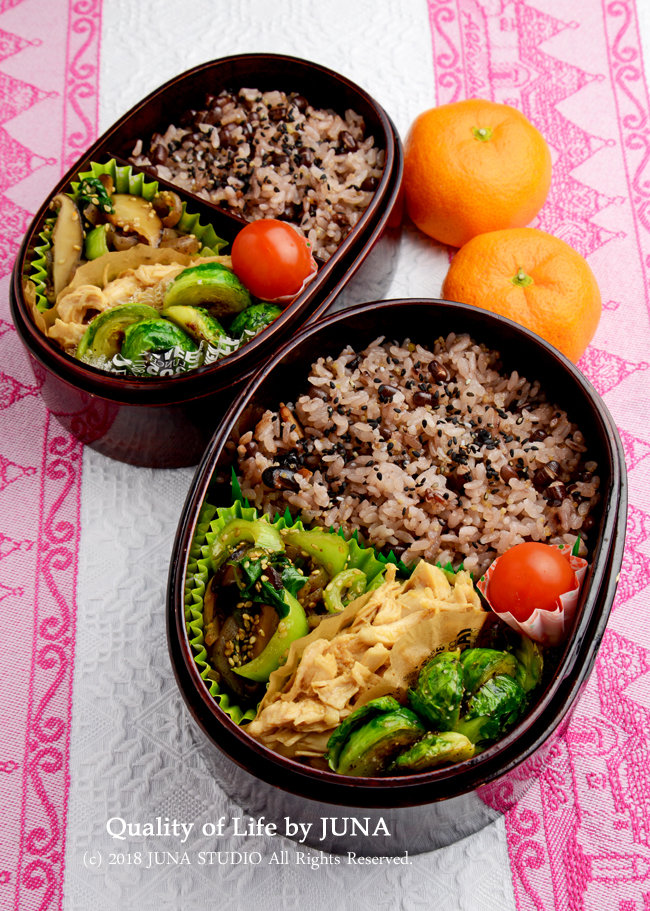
pixel 426 810
pixel 167 422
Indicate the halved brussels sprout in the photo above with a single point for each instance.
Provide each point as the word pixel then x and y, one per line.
pixel 439 692
pixel 480 664
pixel 530 664
pixel 370 749
pixel 105 334
pixel 154 335
pixel 197 322
pixel 494 709
pixel 254 319
pixel 209 285
pixel 353 722
pixel 434 750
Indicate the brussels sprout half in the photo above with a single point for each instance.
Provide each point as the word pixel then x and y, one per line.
pixel 197 322
pixel 530 664
pixel 104 335
pixel 434 750
pixel 154 335
pixel 254 319
pixel 481 664
pixel 209 285
pixel 354 721
pixel 439 692
pixel 370 749
pixel 494 709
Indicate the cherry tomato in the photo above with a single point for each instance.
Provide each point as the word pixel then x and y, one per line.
pixel 271 259
pixel 530 576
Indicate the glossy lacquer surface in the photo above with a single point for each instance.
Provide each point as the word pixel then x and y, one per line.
pixel 167 422
pixel 428 810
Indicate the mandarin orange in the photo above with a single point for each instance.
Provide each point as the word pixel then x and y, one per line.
pixel 533 278
pixel 474 166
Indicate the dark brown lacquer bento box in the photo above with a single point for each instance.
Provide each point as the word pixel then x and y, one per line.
pixel 168 422
pixel 427 810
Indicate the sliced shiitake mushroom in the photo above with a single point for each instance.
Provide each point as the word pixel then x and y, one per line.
pixel 134 215
pixel 169 207
pixel 67 242
pixel 186 243
pixel 124 241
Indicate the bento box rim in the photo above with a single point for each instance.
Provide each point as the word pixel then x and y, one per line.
pixel 231 367
pixel 493 756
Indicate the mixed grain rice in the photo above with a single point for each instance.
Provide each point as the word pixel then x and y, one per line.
pixel 431 453
pixel 272 155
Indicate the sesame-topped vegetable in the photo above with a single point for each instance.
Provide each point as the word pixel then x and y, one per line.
pixel 95 192
pixel 67 243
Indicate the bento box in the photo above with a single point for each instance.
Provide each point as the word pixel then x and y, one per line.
pixel 428 809
pixel 162 409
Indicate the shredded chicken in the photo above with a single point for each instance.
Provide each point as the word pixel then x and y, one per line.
pixel 144 285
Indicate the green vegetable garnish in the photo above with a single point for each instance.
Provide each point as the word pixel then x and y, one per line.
pixel 330 551
pixel 96 244
pixel 92 191
pixel 352 579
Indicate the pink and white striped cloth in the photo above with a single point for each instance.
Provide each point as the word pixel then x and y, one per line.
pixel 581 837
pixel 48 116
